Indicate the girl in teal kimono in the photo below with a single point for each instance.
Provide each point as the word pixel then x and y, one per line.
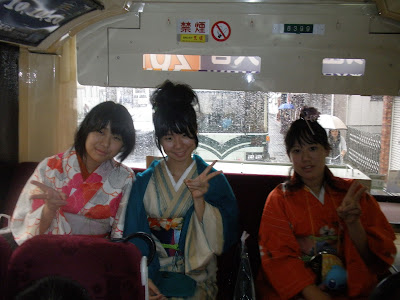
pixel 187 206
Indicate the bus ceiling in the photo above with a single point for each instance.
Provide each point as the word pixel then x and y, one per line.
pixel 264 45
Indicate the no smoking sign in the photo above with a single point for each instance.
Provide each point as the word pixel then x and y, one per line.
pixel 221 31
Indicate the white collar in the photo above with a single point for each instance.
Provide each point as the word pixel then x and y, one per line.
pixel 321 196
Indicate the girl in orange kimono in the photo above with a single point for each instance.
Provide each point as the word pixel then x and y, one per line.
pixel 315 212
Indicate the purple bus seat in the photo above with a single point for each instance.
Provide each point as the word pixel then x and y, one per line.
pixel 107 270
pixel 5 254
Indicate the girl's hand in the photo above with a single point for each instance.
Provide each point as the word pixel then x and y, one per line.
pixel 314 292
pixel 199 186
pixel 350 210
pixel 154 293
pixel 52 198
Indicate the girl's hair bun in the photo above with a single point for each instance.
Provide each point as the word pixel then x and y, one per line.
pixel 171 96
pixel 309 113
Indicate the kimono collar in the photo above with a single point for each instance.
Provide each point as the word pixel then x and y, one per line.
pixel 321 196
pixel 178 184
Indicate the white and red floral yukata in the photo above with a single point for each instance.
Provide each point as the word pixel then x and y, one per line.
pixel 96 201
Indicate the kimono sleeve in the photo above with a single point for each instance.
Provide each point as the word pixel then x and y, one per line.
pixel 212 227
pixel 27 213
pixel 279 249
pixel 119 220
pixel 221 196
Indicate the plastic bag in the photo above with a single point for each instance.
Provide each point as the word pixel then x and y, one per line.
pixel 244 288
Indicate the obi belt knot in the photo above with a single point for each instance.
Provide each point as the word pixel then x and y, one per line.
pixel 168 231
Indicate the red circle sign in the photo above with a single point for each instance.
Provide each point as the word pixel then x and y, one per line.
pixel 221 31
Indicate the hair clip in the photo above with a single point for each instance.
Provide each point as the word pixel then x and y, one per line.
pixel 309 114
pixel 308 124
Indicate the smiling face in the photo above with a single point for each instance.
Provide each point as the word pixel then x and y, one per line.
pixel 178 147
pixel 309 162
pixel 101 146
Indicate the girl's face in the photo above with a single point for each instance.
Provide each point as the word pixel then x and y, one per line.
pixel 309 161
pixel 101 146
pixel 334 132
pixel 178 147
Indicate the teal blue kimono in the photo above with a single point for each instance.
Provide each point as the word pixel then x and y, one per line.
pixel 219 195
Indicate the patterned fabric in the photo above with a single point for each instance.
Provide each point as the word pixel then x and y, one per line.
pixel 166 223
pixel 287 223
pixel 96 206
pixel 167 231
pixel 154 196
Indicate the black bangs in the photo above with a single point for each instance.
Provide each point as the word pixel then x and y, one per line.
pixel 306 137
pixel 300 132
pixel 117 119
pixel 178 127
pixel 179 120
pixel 98 124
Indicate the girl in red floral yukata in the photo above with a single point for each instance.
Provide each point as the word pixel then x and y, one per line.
pixel 83 190
pixel 317 219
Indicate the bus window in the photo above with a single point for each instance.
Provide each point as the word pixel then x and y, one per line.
pixel 247 128
pixel 227 128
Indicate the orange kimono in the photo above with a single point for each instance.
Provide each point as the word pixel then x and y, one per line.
pixel 293 222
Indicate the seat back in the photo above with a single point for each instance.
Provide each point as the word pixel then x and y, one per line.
pixel 107 270
pixel 5 254
pixel 388 288
pixel 150 159
pixel 18 178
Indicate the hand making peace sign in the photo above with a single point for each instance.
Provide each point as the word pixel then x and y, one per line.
pixel 199 186
pixel 53 199
pixel 350 210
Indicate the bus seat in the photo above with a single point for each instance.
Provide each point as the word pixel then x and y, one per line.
pixel 150 159
pixel 20 176
pixel 107 270
pixel 5 254
pixel 388 288
pixel 392 212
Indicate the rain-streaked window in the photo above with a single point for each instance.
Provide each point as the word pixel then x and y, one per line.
pixel 248 128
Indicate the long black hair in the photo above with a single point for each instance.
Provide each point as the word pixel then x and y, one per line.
pixel 99 117
pixel 173 111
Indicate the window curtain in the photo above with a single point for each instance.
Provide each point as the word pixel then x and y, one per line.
pixel 47 102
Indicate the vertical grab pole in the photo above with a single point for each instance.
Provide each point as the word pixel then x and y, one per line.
pixel 144 276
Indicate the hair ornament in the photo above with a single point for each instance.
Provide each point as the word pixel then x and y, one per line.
pixel 309 114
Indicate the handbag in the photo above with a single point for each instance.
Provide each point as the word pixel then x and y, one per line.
pixel 143 236
pixel 329 271
pixel 173 284
pixel 170 284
